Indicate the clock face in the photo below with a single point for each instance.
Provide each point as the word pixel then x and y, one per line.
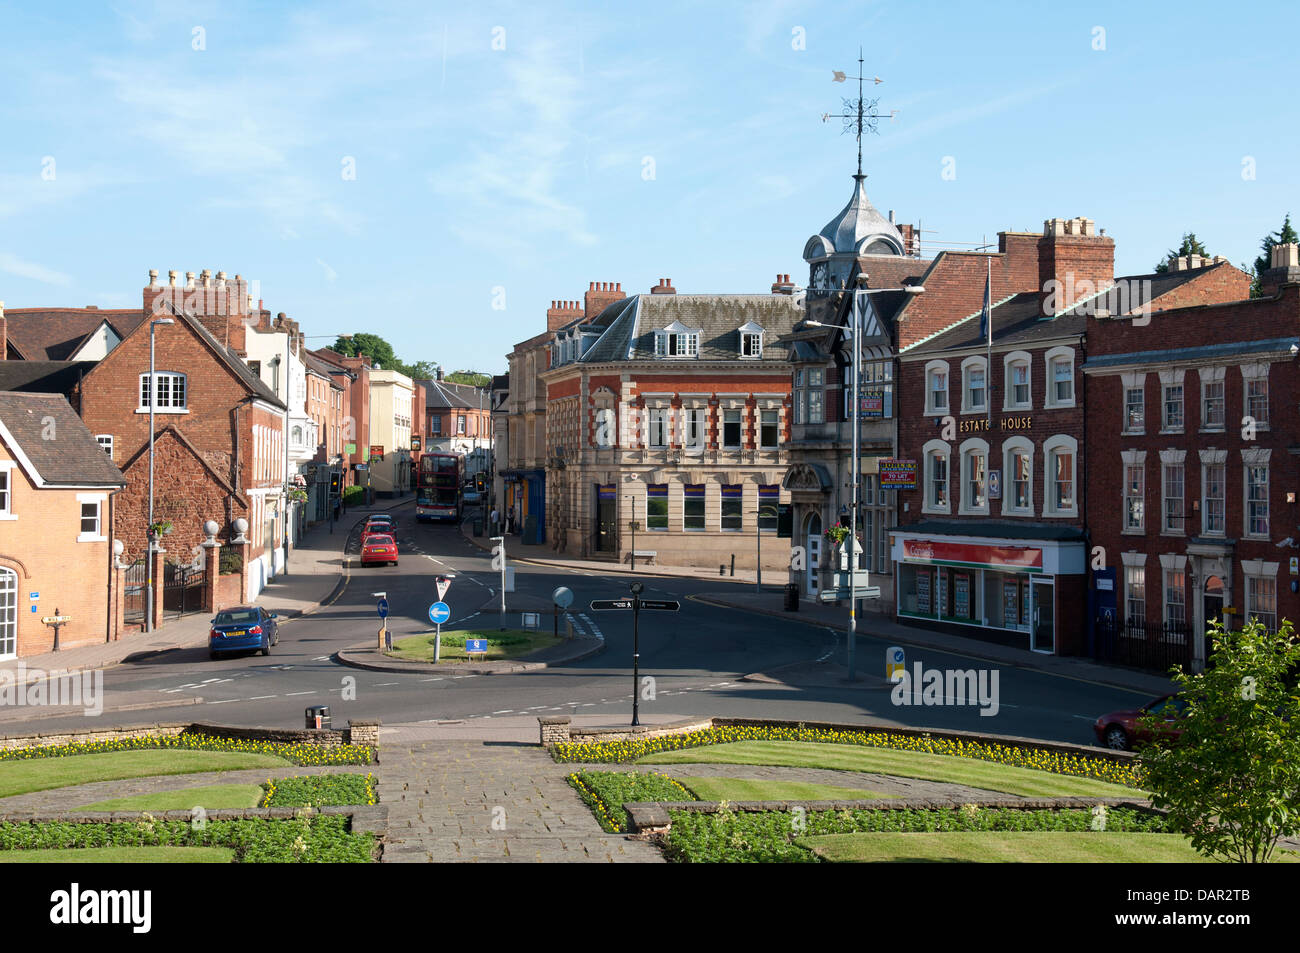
pixel 820 277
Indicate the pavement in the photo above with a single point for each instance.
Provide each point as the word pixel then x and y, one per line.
pixel 872 625
pixel 318 570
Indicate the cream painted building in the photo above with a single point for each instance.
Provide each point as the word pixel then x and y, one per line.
pixel 392 396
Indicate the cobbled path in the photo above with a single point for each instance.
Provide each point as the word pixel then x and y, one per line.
pixel 476 801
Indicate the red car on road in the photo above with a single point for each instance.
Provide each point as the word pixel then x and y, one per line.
pixel 1121 730
pixel 374 527
pixel 378 548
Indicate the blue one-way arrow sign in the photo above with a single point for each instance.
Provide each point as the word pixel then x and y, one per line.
pixel 439 613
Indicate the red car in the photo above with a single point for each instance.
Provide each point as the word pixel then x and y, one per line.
pixel 373 528
pixel 1120 729
pixel 378 548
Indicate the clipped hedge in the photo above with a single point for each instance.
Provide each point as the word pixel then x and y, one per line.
pixel 1056 762
pixel 297 753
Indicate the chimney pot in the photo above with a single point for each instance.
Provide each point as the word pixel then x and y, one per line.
pixel 153 277
pixel 1286 255
pixel 171 278
pixel 591 286
pixel 189 279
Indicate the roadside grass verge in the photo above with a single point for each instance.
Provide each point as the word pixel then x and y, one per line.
pixel 512 643
pixel 121 855
pixel 776 836
pixel 763 789
pixel 211 798
pixel 1044 847
pixel 988 776
pixel 24 777
pixel 1038 759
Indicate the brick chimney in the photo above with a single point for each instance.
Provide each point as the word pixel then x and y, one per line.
pixel 665 287
pixel 561 313
pixel 783 285
pixel 1284 268
pixel 600 295
pixel 1074 262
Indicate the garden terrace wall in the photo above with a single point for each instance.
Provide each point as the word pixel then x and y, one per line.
pixel 557 729
pixel 357 732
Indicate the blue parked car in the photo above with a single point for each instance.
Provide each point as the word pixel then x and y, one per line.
pixel 243 629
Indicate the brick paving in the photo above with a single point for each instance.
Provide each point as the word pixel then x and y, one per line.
pixel 476 801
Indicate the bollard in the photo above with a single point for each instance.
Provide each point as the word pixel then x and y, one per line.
pixel 733 564
pixel 318 716
pixel 722 569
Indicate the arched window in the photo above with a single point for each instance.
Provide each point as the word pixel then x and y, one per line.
pixel 974 497
pixel 937 490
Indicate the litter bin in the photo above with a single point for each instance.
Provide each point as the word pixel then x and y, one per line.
pixel 478 526
pixel 792 597
pixel 318 716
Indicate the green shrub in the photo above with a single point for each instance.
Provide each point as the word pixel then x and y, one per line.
pixel 320 790
pixel 190 741
pixel 306 839
pixel 605 792
pixel 353 495
pixel 231 561
pixel 767 836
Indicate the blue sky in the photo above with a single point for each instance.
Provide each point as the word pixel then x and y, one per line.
pixel 516 176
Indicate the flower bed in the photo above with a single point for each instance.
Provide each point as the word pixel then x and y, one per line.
pixel 301 754
pixel 1056 762
pixel 605 792
pixel 320 790
pixel 730 837
pixel 306 839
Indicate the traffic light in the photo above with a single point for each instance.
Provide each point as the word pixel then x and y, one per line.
pixel 480 482
pixel 336 479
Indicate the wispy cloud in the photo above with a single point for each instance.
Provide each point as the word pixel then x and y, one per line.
pixel 330 274
pixel 13 265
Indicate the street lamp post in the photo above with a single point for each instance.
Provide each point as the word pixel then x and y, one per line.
pixel 856 464
pixel 153 400
pixel 758 542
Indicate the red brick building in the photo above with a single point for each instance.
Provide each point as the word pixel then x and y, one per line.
pixel 353 374
pixel 672 411
pixel 1193 412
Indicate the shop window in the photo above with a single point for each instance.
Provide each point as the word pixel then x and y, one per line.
pixel 656 507
pixel 732 516
pixel 693 507
pixel 769 507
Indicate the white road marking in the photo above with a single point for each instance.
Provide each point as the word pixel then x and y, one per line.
pixel 224 701
pixel 384 684
pixel 321 658
pixel 209 681
pixel 292 694
pixel 535 708
pixel 508 711
pixel 438 679
pixel 1084 717
pixel 256 698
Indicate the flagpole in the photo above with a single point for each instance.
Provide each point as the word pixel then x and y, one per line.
pixel 988 308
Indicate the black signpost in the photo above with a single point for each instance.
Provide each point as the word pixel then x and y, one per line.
pixel 636 604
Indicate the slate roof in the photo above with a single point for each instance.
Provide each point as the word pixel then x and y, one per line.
pixel 1017 321
pixel 72 457
pixel 45 377
pixel 443 394
pixel 318 366
pixel 629 325
pixel 54 334
pixel 1139 295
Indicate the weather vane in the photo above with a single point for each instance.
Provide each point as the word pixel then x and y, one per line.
pixel 859 114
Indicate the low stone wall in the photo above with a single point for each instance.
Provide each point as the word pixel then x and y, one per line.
pixel 558 729
pixel 358 733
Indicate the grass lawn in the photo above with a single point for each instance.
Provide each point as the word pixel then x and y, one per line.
pixel 121 855
pixel 752 789
pixel 42 774
pixel 211 798
pixel 511 643
pixel 985 775
pixel 987 847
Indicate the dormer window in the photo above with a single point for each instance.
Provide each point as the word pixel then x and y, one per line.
pixel 751 340
pixel 677 340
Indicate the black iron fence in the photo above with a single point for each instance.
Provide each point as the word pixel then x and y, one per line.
pixel 135 579
pixel 183 587
pixel 1147 645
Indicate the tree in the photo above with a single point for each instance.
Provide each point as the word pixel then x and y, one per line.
pixel 1282 236
pixel 372 346
pixel 423 370
pixel 1232 779
pixel 1191 246
pixel 472 378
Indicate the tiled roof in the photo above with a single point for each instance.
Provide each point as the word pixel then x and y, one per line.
pixel 318 366
pixel 1138 292
pixel 1017 320
pixel 73 457
pixel 45 377
pixel 54 334
pixel 629 325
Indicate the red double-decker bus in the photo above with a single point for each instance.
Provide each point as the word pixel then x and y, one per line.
pixel 437 492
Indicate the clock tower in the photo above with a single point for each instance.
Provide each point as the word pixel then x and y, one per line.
pixel 858 230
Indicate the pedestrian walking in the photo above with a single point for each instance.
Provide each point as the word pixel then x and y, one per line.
pixel 495 516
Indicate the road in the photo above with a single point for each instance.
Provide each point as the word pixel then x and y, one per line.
pixel 697 658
